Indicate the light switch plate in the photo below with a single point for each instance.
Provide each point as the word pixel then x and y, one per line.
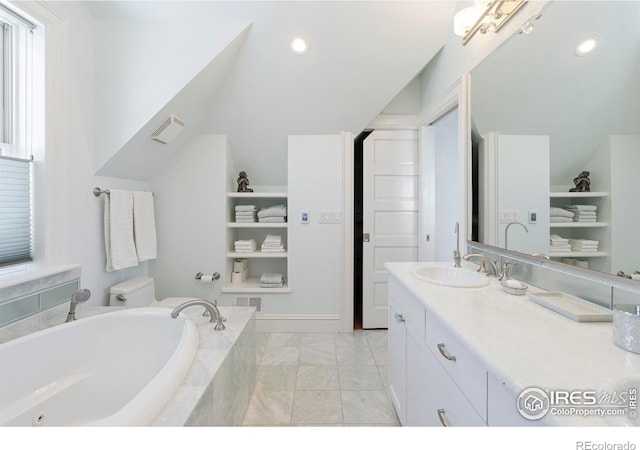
pixel 330 217
pixel 304 217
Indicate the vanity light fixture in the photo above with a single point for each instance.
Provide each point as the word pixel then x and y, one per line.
pixel 586 44
pixel 298 44
pixel 486 16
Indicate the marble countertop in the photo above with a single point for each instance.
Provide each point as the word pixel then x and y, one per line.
pixel 524 344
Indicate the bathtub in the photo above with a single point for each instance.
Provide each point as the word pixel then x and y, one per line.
pixel 113 369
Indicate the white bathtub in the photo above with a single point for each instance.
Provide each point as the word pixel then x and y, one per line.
pixel 118 368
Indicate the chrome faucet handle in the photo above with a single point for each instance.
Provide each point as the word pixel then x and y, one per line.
pixel 505 269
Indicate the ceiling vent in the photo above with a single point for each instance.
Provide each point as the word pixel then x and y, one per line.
pixel 168 130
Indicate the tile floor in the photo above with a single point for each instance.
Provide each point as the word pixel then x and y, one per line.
pixel 321 379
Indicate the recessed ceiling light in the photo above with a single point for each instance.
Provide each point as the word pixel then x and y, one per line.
pixel 298 44
pixel 586 44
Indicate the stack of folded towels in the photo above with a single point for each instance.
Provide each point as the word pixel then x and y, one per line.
pixel 583 245
pixel 246 213
pixel 273 214
pixel 559 215
pixel 245 246
pixel 583 213
pixel 558 244
pixel 271 280
pixel 272 244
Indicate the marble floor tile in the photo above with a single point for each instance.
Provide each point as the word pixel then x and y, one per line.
pixel 318 355
pixel 317 407
pixel 377 338
pixel 360 378
pixel 380 355
pixel 370 407
pixel 269 408
pixel 317 378
pixel 317 340
pixel 276 378
pixel 284 340
pixel 321 379
pixel 355 355
pixel 284 356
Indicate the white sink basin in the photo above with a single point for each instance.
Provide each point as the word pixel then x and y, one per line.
pixel 451 276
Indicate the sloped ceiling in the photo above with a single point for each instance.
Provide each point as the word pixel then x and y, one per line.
pixel 534 84
pixel 362 54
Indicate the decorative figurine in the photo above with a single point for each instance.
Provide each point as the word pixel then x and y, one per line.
pixel 243 182
pixel 582 182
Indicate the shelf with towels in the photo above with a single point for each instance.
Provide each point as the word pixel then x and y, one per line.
pixel 594 231
pixel 247 206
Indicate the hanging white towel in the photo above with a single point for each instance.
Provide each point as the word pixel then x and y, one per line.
pixel 144 226
pixel 119 244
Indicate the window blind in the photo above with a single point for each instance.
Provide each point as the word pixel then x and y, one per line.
pixel 15 211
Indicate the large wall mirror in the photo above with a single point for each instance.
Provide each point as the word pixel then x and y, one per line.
pixel 541 115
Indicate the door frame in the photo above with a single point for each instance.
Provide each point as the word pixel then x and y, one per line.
pixel 456 95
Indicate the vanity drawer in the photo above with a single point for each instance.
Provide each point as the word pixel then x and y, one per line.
pixel 464 368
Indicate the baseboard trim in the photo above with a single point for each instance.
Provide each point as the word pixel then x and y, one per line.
pixel 298 323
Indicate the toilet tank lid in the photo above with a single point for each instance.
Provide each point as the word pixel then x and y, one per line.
pixel 130 285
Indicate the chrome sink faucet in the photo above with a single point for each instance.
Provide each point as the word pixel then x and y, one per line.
pixel 210 307
pixel 456 252
pixel 486 264
pixel 507 229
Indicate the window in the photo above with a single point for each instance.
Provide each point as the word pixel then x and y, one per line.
pixel 16 53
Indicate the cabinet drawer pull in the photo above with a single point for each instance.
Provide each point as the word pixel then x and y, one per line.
pixel 443 418
pixel 444 352
pixel 399 318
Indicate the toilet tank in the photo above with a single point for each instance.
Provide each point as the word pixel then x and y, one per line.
pixel 134 292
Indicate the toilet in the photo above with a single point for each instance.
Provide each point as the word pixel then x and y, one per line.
pixel 139 292
pixel 134 292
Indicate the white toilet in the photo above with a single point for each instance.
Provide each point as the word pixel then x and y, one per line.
pixel 134 292
pixel 140 291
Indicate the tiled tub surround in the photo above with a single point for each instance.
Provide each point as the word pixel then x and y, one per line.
pixel 24 295
pixel 217 389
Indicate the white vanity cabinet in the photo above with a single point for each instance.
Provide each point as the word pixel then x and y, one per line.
pixel 423 390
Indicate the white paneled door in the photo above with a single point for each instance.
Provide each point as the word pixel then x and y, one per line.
pixel 390 214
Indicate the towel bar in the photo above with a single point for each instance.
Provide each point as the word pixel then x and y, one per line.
pixel 97 192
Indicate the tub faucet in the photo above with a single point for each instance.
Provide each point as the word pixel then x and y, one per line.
pixel 80 296
pixel 456 252
pixel 486 264
pixel 210 307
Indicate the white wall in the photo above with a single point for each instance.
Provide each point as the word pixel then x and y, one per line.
pixel 190 205
pixel 70 213
pixel 523 186
pixel 315 250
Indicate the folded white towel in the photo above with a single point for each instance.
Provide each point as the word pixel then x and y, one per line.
pixel 245 214
pixel 559 219
pixel 593 219
pixel 272 239
pixel 271 280
pixel 245 242
pixel 581 207
pixel 557 237
pixel 584 241
pixel 273 211
pixel 144 226
pixel 272 220
pixel 559 212
pixel 245 220
pixel 244 208
pixel 120 247
pixel 585 214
